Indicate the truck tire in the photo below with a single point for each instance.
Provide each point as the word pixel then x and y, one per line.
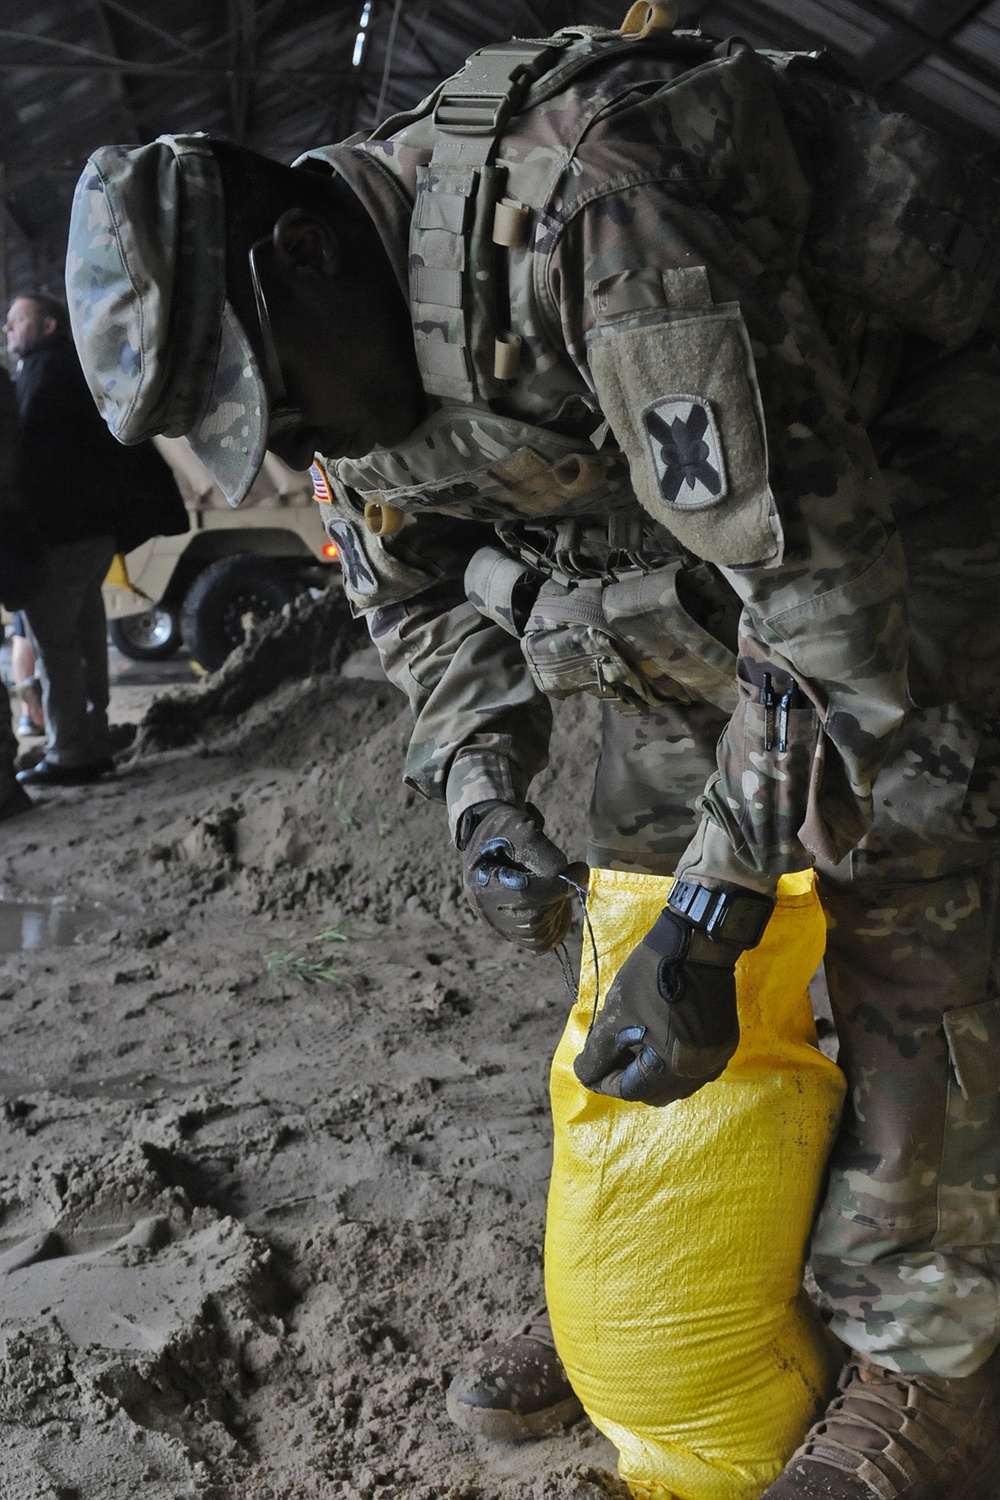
pixel 153 635
pixel 226 601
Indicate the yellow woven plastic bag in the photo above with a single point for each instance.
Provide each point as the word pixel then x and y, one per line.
pixel 676 1237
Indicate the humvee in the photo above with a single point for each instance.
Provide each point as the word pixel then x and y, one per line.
pixel 205 588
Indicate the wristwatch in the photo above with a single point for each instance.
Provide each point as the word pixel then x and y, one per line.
pixel 735 916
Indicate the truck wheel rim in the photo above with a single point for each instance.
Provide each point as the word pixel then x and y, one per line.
pixel 152 628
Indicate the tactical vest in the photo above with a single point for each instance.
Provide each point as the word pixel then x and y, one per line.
pixel 898 223
pixel 871 207
pixel 475 204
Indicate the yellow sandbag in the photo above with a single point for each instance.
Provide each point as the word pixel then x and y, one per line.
pixel 676 1237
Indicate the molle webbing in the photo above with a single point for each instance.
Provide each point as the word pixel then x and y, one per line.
pixel 455 335
pixel 452 226
pixel 462 225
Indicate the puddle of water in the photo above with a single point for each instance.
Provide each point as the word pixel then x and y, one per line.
pixel 26 926
pixel 14 1086
pixel 118 1086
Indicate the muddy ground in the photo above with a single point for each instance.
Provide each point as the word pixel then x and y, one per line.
pixel 274 1141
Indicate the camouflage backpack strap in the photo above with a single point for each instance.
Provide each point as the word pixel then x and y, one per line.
pixel 462 223
pixel 452 225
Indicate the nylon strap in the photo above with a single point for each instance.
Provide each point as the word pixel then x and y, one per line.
pixel 454 325
pixel 461 354
pixel 478 101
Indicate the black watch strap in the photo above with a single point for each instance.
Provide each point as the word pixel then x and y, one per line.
pixel 727 916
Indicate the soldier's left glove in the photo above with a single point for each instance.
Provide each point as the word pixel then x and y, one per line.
pixel 669 1024
pixel 513 874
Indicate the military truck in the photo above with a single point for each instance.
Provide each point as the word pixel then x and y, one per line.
pixel 207 587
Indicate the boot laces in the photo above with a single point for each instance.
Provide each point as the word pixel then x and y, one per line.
pixel 882 1420
pixel 537 1326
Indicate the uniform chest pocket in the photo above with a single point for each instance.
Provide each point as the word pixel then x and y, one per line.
pixel 681 396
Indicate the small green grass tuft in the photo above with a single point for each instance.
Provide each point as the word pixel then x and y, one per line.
pixel 344 817
pixel 382 824
pixel 286 962
pixel 344 930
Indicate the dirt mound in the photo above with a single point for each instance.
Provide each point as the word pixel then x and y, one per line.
pixel 313 634
pixel 338 831
pixel 274 1142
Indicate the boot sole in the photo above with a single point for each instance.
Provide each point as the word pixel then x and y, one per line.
pixel 518 1427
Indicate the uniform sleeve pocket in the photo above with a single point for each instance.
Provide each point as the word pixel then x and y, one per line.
pixel 973 1034
pixel 682 399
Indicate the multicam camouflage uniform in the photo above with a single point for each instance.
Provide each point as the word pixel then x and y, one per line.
pixel 907 1245
pixel 663 383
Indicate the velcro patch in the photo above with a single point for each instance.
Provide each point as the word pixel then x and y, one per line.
pixel 687 452
pixel 358 574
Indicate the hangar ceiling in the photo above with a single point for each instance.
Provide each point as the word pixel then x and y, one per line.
pixel 280 75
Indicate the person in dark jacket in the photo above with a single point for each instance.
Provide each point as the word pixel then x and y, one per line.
pixel 89 498
pixel 22 561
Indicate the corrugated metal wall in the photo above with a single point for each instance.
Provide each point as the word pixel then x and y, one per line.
pixel 284 74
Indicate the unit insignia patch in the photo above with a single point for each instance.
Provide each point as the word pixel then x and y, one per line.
pixel 353 560
pixel 687 453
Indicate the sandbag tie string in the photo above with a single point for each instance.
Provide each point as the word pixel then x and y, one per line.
pixel 562 954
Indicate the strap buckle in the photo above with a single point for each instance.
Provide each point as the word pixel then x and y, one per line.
pixel 491 87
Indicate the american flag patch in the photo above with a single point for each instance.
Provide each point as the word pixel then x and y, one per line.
pixel 320 489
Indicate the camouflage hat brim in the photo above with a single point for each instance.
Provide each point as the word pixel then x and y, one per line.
pixel 160 345
pixel 231 437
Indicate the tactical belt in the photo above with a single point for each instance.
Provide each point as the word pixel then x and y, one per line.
pixel 575 549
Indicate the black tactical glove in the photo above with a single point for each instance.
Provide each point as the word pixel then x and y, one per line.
pixel 512 874
pixel 669 1023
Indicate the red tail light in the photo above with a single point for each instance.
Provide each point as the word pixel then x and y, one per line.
pixel 330 551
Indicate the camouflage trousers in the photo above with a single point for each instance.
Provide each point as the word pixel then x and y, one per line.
pixel 652 769
pixel 907 1242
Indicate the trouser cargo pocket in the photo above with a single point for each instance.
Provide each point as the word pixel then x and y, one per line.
pixel 765 760
pixel 973 1034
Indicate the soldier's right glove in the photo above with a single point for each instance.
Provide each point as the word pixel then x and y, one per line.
pixel 512 874
pixel 669 1024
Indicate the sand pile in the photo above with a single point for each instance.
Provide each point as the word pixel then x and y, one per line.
pixel 274 1141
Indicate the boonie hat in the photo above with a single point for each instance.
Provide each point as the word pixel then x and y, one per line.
pixel 162 350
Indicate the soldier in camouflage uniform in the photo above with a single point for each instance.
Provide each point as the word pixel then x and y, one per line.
pixel 628 372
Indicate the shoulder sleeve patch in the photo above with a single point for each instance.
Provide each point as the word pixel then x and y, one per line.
pixel 687 451
pixel 681 396
pixel 358 576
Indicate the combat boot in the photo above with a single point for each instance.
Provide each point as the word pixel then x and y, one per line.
pixel 516 1389
pixel 901 1437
